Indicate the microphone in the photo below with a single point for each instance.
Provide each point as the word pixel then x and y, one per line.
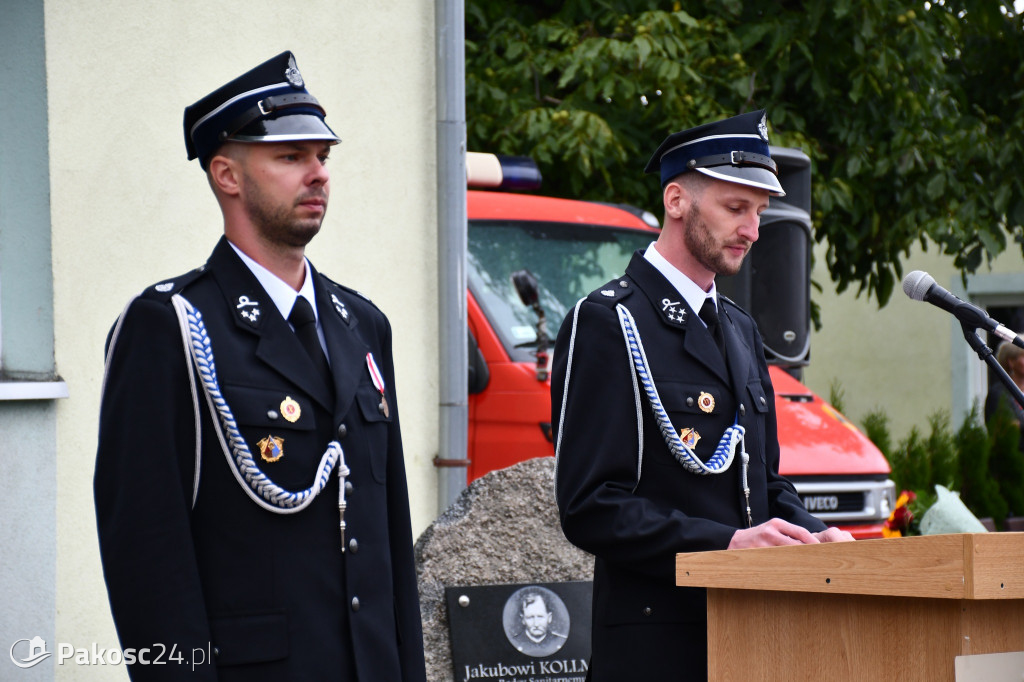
pixel 921 286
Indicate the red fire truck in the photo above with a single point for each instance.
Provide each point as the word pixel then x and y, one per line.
pixel 530 258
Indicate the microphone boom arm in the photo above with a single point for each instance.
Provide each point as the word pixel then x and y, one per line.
pixel 985 353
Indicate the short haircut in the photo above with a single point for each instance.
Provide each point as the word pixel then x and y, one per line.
pixel 531 596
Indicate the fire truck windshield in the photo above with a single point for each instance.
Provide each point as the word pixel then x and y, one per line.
pixel 568 260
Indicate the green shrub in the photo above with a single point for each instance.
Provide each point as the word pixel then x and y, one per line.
pixel 876 427
pixel 979 490
pixel 986 466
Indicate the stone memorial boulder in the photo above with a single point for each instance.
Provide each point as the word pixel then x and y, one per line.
pixel 503 529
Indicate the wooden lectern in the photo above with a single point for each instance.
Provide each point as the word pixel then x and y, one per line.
pixel 894 610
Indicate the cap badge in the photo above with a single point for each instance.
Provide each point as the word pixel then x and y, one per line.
pixel 271 448
pixel 706 402
pixel 248 310
pixel 689 437
pixel 290 409
pixel 292 74
pixel 762 128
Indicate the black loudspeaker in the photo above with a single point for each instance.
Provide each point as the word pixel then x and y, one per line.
pixel 774 284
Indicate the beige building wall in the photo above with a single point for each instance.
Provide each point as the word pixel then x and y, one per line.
pixel 908 359
pixel 128 210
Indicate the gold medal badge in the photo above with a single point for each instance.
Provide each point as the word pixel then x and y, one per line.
pixel 689 437
pixel 706 402
pixel 271 448
pixel 290 409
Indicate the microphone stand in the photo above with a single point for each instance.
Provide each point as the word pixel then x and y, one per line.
pixel 985 353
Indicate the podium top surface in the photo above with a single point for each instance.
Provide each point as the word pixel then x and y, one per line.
pixel 956 566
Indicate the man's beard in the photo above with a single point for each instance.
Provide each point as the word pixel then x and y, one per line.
pixel 278 223
pixel 704 248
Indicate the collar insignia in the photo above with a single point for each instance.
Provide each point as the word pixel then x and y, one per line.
pixel 340 308
pixel 673 311
pixel 249 311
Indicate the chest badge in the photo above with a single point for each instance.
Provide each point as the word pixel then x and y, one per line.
pixel 378 383
pixel 271 448
pixel 290 409
pixel 689 437
pixel 706 402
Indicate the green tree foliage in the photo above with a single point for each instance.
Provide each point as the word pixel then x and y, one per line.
pixel 909 110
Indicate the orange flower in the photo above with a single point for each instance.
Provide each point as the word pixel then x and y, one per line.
pixel 899 519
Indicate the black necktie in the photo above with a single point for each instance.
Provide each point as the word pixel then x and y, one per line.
pixel 304 321
pixel 709 314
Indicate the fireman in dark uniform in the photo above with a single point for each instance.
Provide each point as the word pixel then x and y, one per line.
pixel 665 415
pixel 250 485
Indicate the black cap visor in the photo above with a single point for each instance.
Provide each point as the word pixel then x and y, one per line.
pixel 751 176
pixel 292 128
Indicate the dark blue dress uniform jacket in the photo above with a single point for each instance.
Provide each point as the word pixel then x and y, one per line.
pixel 270 596
pixel 621 494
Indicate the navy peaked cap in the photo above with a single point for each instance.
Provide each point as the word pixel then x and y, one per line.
pixel 733 150
pixel 270 103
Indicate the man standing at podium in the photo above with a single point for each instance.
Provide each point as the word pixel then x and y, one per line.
pixel 664 412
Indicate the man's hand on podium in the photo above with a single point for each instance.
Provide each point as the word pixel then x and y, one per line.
pixel 775 532
pixel 833 534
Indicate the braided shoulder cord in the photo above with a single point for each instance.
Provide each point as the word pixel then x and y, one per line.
pixel 733 436
pixel 256 484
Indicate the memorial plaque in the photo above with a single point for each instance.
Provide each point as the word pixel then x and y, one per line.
pixel 520 633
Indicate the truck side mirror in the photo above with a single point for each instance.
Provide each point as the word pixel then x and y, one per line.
pixel 479 373
pixel 528 289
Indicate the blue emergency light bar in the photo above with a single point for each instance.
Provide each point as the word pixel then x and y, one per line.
pixel 501 172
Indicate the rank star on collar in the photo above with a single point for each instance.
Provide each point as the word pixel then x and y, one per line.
pixel 339 307
pixel 673 311
pixel 249 310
